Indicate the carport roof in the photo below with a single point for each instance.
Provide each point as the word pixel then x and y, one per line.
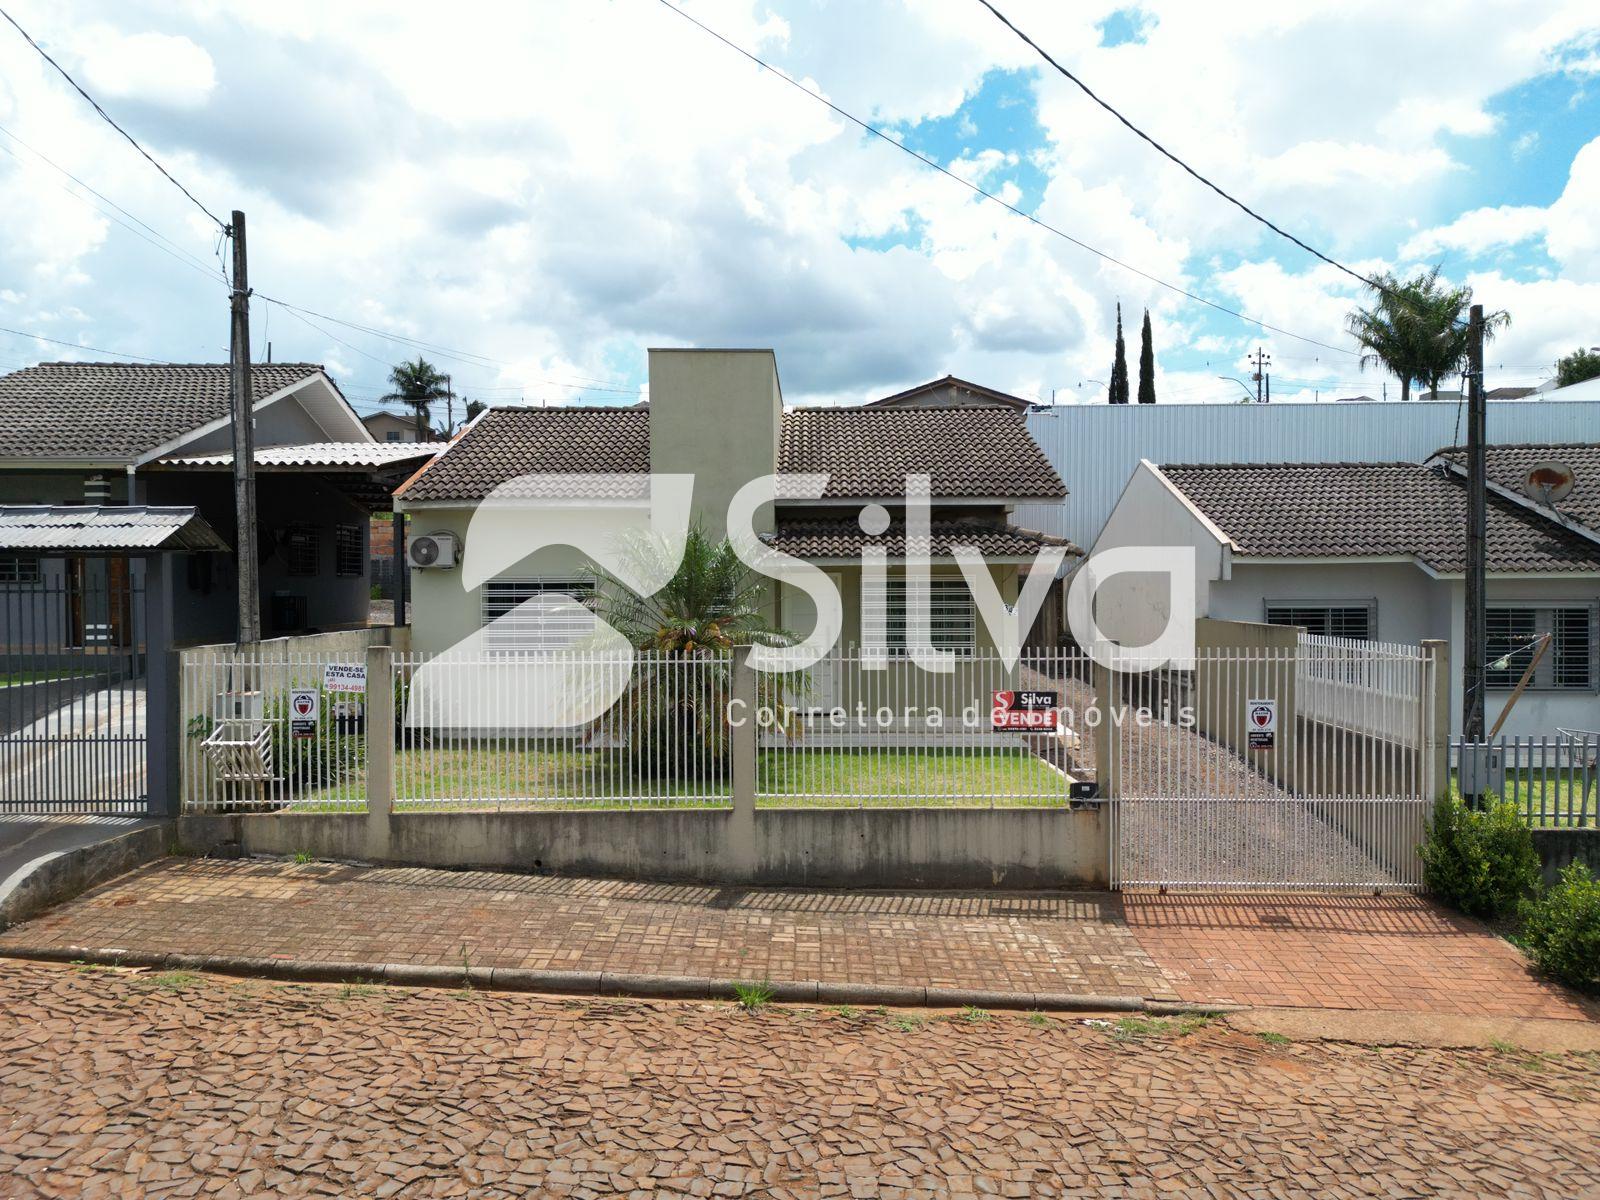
pixel 94 529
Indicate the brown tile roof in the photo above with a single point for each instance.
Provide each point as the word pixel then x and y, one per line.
pixel 843 538
pixel 1508 464
pixel 118 411
pixel 1364 510
pixel 965 391
pixel 968 452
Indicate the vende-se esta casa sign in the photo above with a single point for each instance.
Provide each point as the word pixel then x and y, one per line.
pixel 1033 711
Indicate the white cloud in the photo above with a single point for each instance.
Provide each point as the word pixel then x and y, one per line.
pixel 154 67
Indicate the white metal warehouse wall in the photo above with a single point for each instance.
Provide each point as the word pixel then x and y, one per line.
pixel 1095 448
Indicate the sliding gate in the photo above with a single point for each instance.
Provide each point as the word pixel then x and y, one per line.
pixel 1311 765
pixel 72 687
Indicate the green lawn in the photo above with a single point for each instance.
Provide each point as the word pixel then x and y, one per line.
pixel 7 678
pixel 490 777
pixel 1552 799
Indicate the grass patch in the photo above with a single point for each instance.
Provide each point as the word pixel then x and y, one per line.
pixel 973 1016
pixel 301 857
pixel 513 773
pixel 847 1011
pixel 1039 1021
pixel 753 997
pixel 1548 798
pixel 1138 1029
pixel 170 981
pixel 907 1022
pixel 1272 1038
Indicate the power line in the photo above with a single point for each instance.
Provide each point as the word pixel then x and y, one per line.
pixel 132 141
pixel 76 346
pixel 988 195
pixel 1170 156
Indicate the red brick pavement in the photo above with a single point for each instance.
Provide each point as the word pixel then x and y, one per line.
pixel 1397 953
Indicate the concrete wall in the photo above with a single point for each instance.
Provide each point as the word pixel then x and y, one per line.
pixel 1560 848
pixel 716 414
pixel 878 848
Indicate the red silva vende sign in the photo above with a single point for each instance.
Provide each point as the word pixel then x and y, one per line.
pixel 1025 710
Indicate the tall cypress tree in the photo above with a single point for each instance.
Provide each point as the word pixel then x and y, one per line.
pixel 1147 365
pixel 1119 367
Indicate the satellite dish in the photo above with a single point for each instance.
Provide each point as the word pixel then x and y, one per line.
pixel 1547 482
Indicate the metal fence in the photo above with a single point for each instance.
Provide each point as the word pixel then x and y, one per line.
pixel 870 729
pixel 1554 781
pixel 72 712
pixel 1306 766
pixel 561 729
pixel 267 729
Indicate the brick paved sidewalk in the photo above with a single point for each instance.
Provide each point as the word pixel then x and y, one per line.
pixel 1396 953
pixel 1059 942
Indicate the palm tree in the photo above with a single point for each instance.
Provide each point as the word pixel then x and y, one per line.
pixel 673 717
pixel 1415 329
pixel 417 385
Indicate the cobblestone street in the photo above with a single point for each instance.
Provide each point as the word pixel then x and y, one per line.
pixel 126 1083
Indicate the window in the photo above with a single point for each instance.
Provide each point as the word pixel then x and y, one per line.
pixel 302 545
pixel 508 627
pixel 392 436
pixel 1570 662
pixel 1345 620
pixel 952 616
pixel 349 551
pixel 19 568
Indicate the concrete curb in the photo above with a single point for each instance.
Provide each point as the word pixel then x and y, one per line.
pixel 597 983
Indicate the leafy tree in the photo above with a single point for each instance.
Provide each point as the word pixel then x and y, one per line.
pixel 1119 367
pixel 674 720
pixel 1147 364
pixel 474 407
pixel 1577 366
pixel 416 385
pixel 1417 329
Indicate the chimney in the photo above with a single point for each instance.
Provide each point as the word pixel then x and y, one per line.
pixel 716 415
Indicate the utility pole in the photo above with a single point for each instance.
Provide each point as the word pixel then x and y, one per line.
pixel 449 408
pixel 244 442
pixel 1472 683
pixel 1261 362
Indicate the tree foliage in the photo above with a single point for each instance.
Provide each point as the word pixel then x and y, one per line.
pixel 1147 364
pixel 1576 367
pixel 1417 329
pixel 416 385
pixel 1119 367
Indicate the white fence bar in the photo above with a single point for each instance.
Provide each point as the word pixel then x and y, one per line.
pixel 245 749
pixel 1554 781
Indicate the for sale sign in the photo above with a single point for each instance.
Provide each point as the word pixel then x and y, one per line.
pixel 1261 722
pixel 1034 711
pixel 303 707
pixel 344 677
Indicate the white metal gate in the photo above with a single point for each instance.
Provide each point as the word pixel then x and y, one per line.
pixel 1312 765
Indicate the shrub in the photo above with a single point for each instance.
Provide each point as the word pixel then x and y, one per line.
pixel 1561 929
pixel 1479 861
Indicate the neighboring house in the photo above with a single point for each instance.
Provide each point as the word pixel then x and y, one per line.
pixel 392 427
pixel 160 434
pixel 1095 447
pixel 1378 551
pixel 720 416
pixel 951 392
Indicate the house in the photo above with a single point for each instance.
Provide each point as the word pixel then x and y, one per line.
pixel 1378 551
pixel 951 392
pixel 392 427
pixel 719 415
pixel 137 434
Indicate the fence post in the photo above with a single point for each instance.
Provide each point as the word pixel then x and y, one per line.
pixel 1108 770
pixel 1436 731
pixel 164 745
pixel 380 748
pixel 742 748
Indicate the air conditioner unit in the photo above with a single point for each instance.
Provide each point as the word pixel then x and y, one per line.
pixel 429 550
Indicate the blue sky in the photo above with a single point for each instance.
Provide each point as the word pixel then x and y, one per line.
pixel 594 179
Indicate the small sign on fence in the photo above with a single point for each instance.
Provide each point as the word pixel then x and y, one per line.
pixel 1032 711
pixel 303 706
pixel 344 677
pixel 1261 719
